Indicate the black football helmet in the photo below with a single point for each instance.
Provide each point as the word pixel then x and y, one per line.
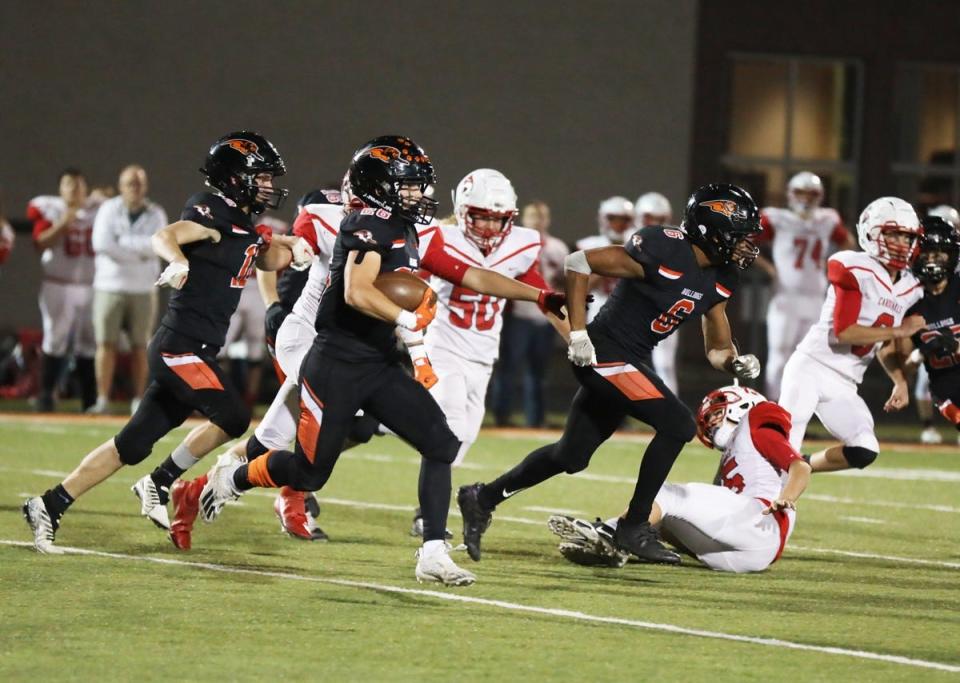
pixel 720 218
pixel 233 163
pixel 938 237
pixel 381 167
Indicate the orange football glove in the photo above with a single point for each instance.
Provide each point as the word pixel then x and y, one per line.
pixel 423 372
pixel 426 310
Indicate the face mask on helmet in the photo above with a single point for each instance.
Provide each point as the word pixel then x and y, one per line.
pixel 615 218
pixel 485 205
pixel 720 219
pixel 722 411
pixel 804 193
pixel 890 231
pixel 939 250
pixel 487 229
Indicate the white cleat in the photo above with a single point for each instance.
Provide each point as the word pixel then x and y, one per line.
pixel 35 512
pixel 930 436
pixel 219 489
pixel 435 565
pixel 153 502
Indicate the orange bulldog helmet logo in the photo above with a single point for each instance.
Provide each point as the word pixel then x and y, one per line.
pixel 385 153
pixel 245 147
pixel 725 207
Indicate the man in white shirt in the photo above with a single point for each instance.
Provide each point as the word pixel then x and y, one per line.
pixel 126 269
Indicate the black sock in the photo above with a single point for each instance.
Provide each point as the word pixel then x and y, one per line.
pixel 166 473
pixel 434 492
pixel 657 462
pixel 535 468
pixel 88 381
pixel 57 500
pixel 240 478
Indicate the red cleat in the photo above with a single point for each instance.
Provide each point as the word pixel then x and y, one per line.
pixel 185 496
pixel 289 506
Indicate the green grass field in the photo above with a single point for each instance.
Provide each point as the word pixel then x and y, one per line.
pixel 868 588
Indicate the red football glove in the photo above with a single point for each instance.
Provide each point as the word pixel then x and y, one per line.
pixel 552 302
pixel 266 234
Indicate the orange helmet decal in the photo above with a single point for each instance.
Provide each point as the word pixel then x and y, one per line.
pixel 385 154
pixel 722 206
pixel 245 147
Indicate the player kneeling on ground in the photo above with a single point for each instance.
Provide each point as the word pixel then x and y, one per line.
pixel 739 525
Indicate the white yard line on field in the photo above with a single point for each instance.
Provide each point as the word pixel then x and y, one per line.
pixel 863 520
pixel 880 503
pixel 520 607
pixel 392 507
pixel 901 473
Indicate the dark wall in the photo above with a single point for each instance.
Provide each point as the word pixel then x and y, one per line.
pixel 574 101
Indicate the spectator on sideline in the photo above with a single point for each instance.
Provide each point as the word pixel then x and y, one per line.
pixel 123 293
pixel 528 338
pixel 62 227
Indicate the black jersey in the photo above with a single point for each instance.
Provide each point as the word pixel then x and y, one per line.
pixel 218 272
pixel 674 289
pixel 942 313
pixel 343 331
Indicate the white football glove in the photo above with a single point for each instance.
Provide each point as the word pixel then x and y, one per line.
pixel 302 255
pixel 581 351
pixel 746 367
pixel 174 276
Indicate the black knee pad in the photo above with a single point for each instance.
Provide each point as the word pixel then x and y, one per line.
pixel 234 421
pixel 443 445
pixel 363 429
pixel 859 457
pixel 570 460
pixel 132 446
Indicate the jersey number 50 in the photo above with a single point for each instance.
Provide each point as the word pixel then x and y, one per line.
pixel 467 308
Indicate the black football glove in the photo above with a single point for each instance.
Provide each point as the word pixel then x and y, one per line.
pixel 276 314
pixel 943 344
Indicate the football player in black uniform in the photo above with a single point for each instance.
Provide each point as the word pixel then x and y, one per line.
pixel 669 276
pixel 352 363
pixel 937 345
pixel 211 251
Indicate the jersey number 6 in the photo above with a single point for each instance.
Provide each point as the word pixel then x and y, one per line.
pixel 666 322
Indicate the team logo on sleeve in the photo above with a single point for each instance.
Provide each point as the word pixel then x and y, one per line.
pixel 365 236
pixel 727 208
pixel 246 148
pixel 204 211
pixel 636 240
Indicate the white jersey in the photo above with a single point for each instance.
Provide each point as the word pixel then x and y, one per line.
pixel 467 323
pixel 604 287
pixel 883 303
pixel 71 259
pixel 800 247
pixel 552 254
pixel 319 224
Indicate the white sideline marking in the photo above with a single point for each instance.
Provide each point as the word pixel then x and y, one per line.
pixel 519 607
pixel 901 473
pixel 879 503
pixel 873 556
pixel 863 520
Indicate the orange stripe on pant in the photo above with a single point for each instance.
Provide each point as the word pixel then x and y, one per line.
pixel 197 374
pixel 258 474
pixel 633 384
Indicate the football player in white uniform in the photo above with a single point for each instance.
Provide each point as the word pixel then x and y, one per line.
pixel 739 524
pixel 864 311
pixel 63 233
pixel 615 221
pixel 463 341
pixel 800 238
pixel 921 391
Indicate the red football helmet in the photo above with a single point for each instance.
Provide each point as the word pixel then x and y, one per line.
pixel 721 411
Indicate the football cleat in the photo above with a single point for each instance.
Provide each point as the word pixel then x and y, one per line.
pixel 476 518
pixel 290 509
pixel 643 542
pixel 185 496
pixel 416 529
pixel 153 501
pixel 585 543
pixel 930 436
pixel 42 526
pixel 437 566
pixel 219 489
pixel 311 507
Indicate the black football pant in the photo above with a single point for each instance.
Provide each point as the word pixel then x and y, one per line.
pixel 184 377
pixel 331 393
pixel 610 391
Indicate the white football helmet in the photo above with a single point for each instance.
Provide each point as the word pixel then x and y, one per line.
pixel 485 193
pixel 812 188
pixel 619 208
pixel 947 213
pixel 882 219
pixel 653 208
pixel 721 411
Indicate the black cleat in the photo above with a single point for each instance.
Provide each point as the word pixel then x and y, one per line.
pixel 585 543
pixel 643 542
pixel 476 518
